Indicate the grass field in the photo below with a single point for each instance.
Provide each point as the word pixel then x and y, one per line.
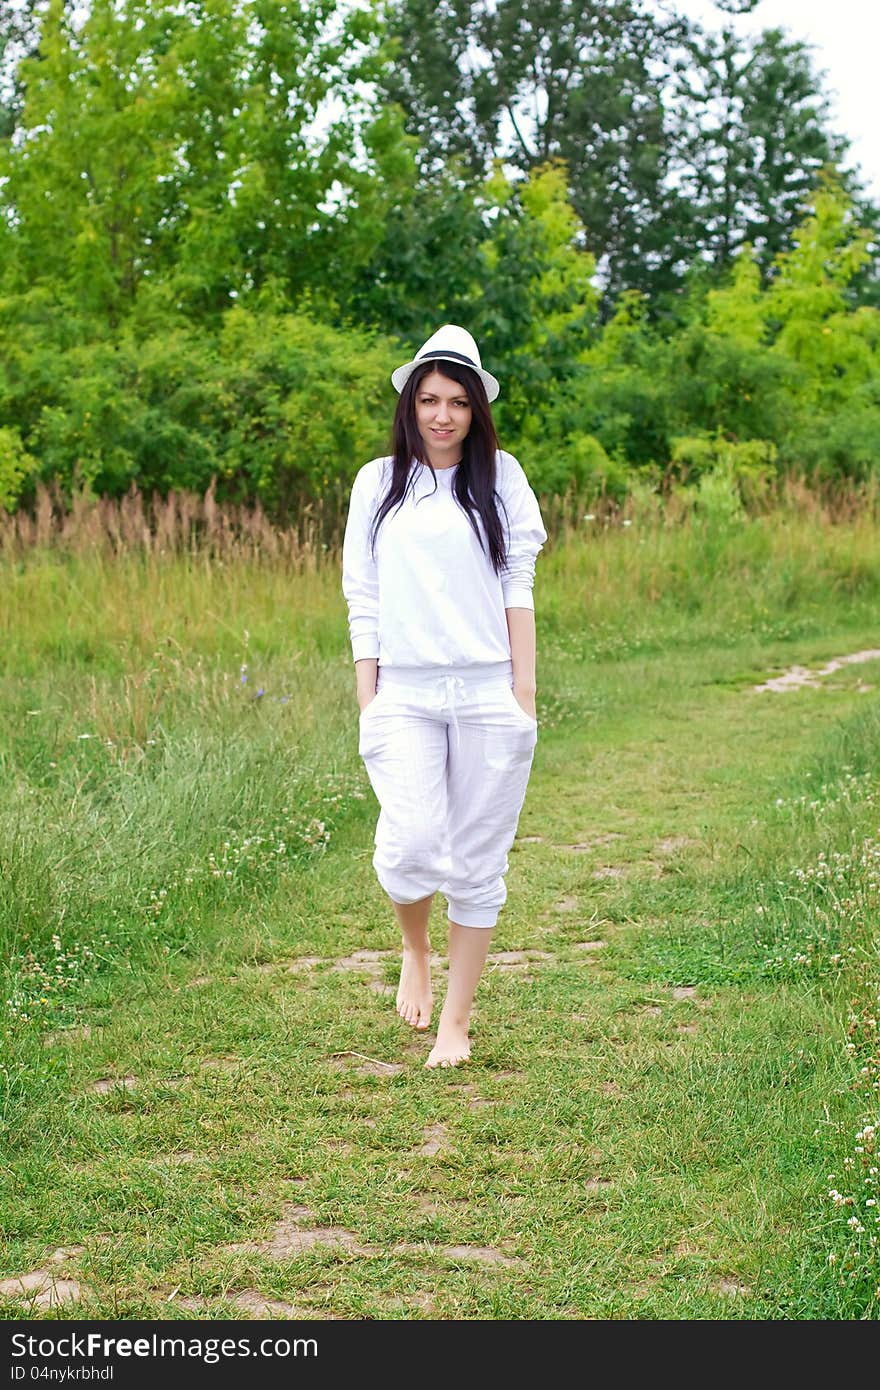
pixel 210 1108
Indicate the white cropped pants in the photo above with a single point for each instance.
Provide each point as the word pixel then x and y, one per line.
pixel 448 754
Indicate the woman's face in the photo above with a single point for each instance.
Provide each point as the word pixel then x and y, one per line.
pixel 443 417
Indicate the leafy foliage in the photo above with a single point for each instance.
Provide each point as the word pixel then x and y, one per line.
pixel 218 238
pixel 271 405
pixel 681 144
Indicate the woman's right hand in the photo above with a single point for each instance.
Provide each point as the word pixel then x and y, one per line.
pixel 367 672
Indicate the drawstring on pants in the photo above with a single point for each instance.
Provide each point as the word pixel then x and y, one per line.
pixel 453 688
pixel 445 690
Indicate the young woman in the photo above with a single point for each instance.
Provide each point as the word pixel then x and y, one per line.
pixel 438 565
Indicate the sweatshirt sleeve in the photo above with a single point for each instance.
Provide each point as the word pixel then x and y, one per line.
pixel 526 535
pixel 360 581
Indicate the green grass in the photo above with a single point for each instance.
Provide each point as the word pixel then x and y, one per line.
pixel 649 1125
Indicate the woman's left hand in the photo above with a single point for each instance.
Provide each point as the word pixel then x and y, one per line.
pixel 526 701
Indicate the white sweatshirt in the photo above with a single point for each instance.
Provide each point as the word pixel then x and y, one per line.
pixel 430 597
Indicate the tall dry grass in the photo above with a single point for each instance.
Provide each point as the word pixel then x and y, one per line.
pixel 187 523
pixel 179 524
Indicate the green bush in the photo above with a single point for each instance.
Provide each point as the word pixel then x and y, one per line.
pixel 842 444
pixel 309 404
pixel 750 463
pixel 277 404
pixel 16 465
pixel 273 405
pixel 574 461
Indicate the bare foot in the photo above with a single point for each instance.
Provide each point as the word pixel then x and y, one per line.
pixel 414 998
pixel 452 1047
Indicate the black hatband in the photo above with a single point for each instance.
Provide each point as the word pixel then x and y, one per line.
pixel 457 356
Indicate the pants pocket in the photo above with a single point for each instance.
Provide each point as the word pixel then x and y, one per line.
pixel 366 725
pixel 518 709
pixel 510 745
pixel 369 706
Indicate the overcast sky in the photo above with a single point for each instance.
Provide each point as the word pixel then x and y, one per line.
pixel 846 39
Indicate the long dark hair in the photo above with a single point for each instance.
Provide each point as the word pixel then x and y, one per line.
pixel 474 481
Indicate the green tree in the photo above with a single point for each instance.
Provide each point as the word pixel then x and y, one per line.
pixel 830 346
pixel 187 147
pixel 423 264
pixel 750 378
pixel 528 81
pixel 681 144
pixel 19 37
pixel 505 257
pixel 754 140
pixel 537 304
pixel 294 144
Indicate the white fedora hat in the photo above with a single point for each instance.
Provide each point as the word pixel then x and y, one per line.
pixel 449 344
